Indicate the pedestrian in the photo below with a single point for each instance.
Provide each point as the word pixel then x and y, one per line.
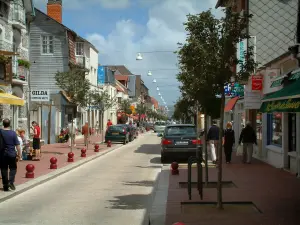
pixel 9 156
pixel 36 142
pixel 72 131
pixel 26 144
pixel 229 141
pixel 97 126
pixel 109 123
pixel 85 132
pixel 248 138
pixel 21 143
pixel 213 140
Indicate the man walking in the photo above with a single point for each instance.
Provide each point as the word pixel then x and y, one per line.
pixel 248 137
pixel 85 132
pixel 213 139
pixel 9 156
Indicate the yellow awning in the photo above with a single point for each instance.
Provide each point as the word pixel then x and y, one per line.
pixel 10 99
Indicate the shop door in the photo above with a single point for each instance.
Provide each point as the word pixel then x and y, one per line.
pixel 292 132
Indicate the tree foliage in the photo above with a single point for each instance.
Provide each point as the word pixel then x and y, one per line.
pixel 75 84
pixel 124 106
pixel 207 59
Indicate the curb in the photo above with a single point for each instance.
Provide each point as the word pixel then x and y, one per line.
pixel 157 215
pixel 47 177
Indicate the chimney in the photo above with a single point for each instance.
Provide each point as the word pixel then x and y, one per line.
pixel 54 10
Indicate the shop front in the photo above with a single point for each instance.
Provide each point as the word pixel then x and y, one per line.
pixel 281 111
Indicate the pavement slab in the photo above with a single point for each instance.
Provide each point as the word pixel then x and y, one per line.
pixel 273 191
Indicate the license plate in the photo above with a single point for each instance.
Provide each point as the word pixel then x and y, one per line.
pixel 182 143
pixel 114 133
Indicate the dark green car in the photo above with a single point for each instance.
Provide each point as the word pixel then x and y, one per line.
pixel 117 133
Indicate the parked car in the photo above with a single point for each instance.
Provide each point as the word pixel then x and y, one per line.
pixel 132 131
pixel 151 126
pixel 159 126
pixel 117 133
pixel 179 141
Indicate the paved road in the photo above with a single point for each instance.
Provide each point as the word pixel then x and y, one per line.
pixel 113 189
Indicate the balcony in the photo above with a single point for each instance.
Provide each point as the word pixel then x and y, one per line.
pixel 20 69
pixel 18 17
pixel 83 62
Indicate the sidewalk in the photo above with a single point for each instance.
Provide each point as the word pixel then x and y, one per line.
pixel 60 151
pixel 275 195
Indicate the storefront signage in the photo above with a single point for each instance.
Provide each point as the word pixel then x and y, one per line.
pixel 287 105
pixel 257 82
pixel 40 95
pixel 241 48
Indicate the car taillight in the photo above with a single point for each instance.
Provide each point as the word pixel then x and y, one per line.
pixel 166 142
pixel 196 142
pixel 124 131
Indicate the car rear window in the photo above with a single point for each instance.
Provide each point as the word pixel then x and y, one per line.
pixel 116 128
pixel 160 123
pixel 180 130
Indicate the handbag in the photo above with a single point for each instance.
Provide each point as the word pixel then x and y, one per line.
pixel 239 150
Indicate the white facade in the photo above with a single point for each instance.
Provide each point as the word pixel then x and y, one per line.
pixel 87 56
pixel 111 113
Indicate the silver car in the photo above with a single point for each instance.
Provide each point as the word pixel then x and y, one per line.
pixel 159 126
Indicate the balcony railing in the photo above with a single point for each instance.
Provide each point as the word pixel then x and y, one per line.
pixel 18 16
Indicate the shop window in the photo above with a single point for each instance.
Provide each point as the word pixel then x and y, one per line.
pixel 274 129
pixel 259 126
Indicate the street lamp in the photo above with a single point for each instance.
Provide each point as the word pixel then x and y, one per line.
pixel 157 88
pixel 154 80
pixel 149 73
pixel 139 56
pixel 159 94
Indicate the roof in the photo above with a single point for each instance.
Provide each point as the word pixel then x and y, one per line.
pixel 220 3
pixel 121 68
pixel 121 78
pixel 68 29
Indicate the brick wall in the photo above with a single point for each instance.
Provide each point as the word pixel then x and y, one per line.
pixel 71 43
pixel 54 10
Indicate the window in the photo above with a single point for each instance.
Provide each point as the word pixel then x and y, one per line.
pixel 119 100
pixel 181 130
pixel 79 48
pixel 275 129
pixel 47 44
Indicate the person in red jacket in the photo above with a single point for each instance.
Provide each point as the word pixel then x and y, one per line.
pixel 36 142
pixel 109 123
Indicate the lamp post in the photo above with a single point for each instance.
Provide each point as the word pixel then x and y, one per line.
pixel 139 55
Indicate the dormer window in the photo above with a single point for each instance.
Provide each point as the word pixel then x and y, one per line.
pixel 79 49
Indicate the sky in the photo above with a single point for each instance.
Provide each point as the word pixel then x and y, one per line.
pixel 120 29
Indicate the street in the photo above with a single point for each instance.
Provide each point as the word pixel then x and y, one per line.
pixel 113 189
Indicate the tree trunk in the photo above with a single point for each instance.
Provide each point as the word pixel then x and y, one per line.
pixel 220 148
pixel 71 136
pixel 205 149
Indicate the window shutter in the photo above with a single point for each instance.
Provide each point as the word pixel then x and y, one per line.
pixel 8 72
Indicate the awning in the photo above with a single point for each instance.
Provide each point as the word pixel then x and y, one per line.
pixel 288 92
pixel 6 98
pixel 230 104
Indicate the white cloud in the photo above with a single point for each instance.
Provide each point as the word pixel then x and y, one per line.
pixel 163 31
pixel 78 4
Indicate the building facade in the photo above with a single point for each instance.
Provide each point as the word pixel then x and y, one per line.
pixel 14 61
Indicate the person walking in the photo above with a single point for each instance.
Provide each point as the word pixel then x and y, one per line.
pixel 85 132
pixel 213 140
pixel 10 153
pixel 229 141
pixel 248 138
pixel 109 123
pixel 72 130
pixel 36 142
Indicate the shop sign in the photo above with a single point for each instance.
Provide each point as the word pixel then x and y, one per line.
pixel 271 75
pixel 241 48
pixel 287 105
pixel 40 95
pixel 257 82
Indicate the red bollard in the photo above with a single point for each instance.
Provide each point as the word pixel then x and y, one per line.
pixel 178 223
pixel 109 143
pixel 53 162
pixel 83 152
pixel 96 148
pixel 70 157
pixel 30 168
pixel 174 168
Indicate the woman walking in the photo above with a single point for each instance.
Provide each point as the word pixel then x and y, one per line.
pixel 229 141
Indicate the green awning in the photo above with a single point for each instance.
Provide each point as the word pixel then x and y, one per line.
pixel 290 91
pixel 287 105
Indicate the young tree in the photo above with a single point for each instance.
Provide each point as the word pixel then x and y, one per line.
pixel 102 101
pixel 215 40
pixel 124 107
pixel 76 87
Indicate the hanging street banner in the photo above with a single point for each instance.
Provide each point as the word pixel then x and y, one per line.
pixel 287 105
pixel 40 95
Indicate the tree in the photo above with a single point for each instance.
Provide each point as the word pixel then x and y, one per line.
pixel 124 108
pixel 208 58
pixel 102 101
pixel 76 87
